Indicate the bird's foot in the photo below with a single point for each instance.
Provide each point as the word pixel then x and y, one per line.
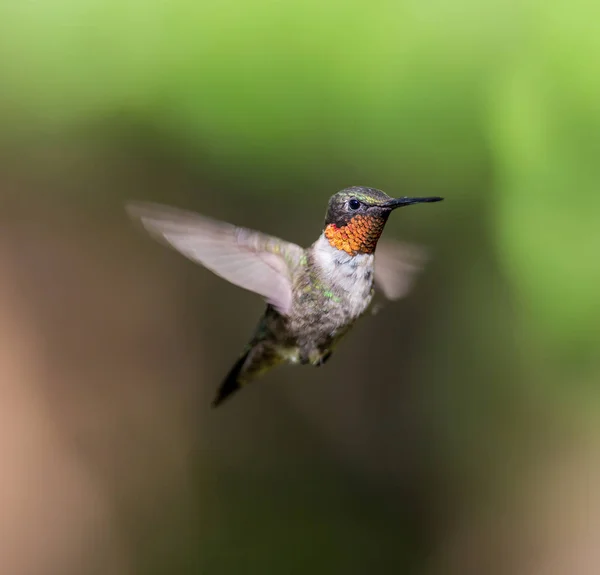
pixel 315 358
pixel 323 359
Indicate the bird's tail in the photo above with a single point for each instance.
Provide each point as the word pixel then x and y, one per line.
pixel 232 382
pixel 256 360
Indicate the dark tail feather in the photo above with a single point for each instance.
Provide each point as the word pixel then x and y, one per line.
pixel 231 383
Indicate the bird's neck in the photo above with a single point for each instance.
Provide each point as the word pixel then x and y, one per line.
pixel 358 236
pixel 338 268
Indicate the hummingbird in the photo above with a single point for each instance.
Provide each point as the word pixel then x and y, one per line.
pixel 313 295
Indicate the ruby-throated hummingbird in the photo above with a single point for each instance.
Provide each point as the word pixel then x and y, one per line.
pixel 313 295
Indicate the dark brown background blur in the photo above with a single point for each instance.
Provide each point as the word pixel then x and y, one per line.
pixel 456 432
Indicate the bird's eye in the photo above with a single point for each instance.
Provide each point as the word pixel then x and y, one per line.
pixel 354 204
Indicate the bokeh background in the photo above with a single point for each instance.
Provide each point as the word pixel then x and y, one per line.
pixel 456 433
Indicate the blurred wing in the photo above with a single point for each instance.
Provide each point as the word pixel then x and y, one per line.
pixel 248 259
pixel 397 266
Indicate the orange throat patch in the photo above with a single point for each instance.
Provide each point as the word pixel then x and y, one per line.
pixel 358 236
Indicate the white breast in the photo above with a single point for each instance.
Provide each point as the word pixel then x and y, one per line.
pixel 350 276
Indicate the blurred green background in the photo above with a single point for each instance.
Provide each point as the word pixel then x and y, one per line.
pixel 454 433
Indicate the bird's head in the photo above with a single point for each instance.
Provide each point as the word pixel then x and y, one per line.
pixel 356 217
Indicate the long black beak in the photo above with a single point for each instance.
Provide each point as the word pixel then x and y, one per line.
pixel 400 202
